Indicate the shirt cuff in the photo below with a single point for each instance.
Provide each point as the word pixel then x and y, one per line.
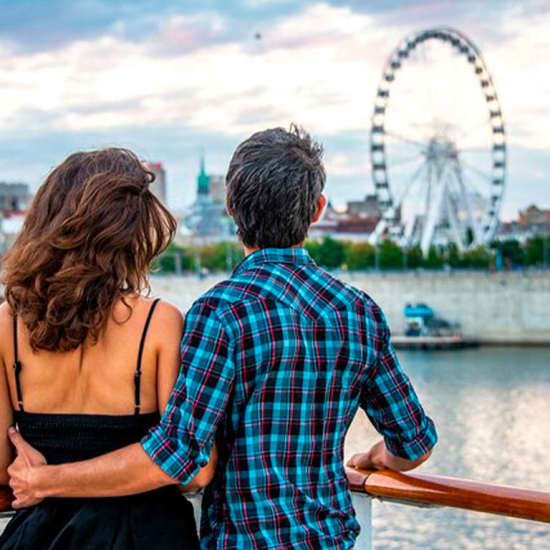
pixel 173 455
pixel 424 440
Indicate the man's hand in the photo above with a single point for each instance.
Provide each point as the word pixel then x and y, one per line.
pixel 362 461
pixel 22 469
pixel 371 460
pixel 379 458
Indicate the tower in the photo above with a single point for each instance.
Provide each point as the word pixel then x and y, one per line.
pixel 203 187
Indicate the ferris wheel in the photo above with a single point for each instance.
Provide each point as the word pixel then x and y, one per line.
pixel 437 144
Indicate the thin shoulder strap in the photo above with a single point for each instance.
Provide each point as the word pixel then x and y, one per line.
pixel 17 365
pixel 137 375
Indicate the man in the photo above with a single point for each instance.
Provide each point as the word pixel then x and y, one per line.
pixel 275 362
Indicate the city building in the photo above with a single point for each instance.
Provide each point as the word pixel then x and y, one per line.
pixel 531 222
pixel 158 187
pixel 14 201
pixel 355 222
pixel 10 227
pixel 207 221
pixel 511 231
pixel 367 208
pixel 14 197
pixel 533 215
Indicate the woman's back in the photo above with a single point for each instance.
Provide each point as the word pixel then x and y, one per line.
pixel 89 363
pixel 87 402
pixel 98 378
pixel 95 399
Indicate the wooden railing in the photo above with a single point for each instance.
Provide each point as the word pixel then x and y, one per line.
pixel 425 490
pixel 422 490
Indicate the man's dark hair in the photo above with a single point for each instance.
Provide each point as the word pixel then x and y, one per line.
pixel 274 182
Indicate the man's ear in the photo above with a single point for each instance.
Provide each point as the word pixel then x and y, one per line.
pixel 321 203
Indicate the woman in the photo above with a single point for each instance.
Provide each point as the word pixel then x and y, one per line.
pixel 93 360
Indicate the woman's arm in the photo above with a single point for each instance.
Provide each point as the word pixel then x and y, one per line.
pixel 6 420
pixel 6 410
pixel 167 329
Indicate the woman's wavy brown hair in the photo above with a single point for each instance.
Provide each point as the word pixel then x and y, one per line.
pixel 88 240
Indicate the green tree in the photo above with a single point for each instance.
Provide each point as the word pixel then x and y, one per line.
pixel 234 253
pixel 434 260
pixel 166 262
pixel 328 253
pixel 512 252
pixel 453 256
pixel 535 249
pixel 359 256
pixel 477 258
pixel 314 250
pixel 390 256
pixel 414 257
pixel 220 256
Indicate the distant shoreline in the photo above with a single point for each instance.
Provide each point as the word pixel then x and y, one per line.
pixel 497 309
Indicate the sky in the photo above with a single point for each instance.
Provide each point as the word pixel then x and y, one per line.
pixel 170 78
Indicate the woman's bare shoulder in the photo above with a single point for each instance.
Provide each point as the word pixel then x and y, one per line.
pixel 5 314
pixel 6 320
pixel 166 327
pixel 166 314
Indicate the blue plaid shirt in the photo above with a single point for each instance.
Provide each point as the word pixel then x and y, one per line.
pixel 275 362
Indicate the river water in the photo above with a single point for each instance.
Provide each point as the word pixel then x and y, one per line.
pixel 492 411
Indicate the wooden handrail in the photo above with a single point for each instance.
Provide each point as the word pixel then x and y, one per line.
pixel 425 490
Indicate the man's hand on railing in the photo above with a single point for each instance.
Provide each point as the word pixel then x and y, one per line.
pixel 21 471
pixel 379 458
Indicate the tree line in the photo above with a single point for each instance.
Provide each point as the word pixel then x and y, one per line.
pixel 361 256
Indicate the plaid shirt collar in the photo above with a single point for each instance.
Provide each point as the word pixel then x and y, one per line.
pixel 296 256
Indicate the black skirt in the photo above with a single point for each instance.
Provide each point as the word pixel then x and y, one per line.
pixel 158 520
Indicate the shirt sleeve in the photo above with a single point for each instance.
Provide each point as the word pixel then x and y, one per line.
pixel 182 442
pixel 391 403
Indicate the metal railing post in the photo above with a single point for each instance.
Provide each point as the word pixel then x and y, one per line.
pixel 363 511
pixel 177 262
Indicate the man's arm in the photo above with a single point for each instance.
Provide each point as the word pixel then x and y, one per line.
pixel 125 471
pixel 394 409
pixel 178 450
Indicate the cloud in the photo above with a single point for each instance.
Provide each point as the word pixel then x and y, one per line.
pixel 169 77
pixel 26 21
pixel 181 34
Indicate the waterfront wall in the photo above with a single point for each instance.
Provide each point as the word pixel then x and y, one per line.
pixel 503 308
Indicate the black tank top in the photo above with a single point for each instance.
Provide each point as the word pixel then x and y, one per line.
pixel 161 519
pixel 71 437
